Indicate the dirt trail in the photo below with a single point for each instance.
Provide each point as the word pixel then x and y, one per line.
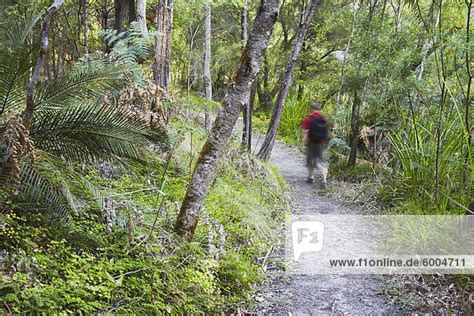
pixel 297 294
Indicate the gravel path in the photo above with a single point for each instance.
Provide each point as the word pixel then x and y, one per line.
pixel 298 294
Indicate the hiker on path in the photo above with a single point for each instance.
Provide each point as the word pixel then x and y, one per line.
pixel 316 138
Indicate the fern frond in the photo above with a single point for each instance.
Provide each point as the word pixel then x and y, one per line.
pixel 86 81
pixel 14 71
pixel 92 131
pixel 14 29
pixel 44 186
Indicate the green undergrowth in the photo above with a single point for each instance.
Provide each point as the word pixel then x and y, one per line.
pixel 120 254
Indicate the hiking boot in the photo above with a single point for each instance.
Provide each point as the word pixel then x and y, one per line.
pixel 310 180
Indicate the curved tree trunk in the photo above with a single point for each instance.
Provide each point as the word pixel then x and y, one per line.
pixel 44 43
pixel 236 97
pixel 207 63
pixel 269 142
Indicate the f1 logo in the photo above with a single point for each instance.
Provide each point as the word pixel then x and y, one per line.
pixel 307 237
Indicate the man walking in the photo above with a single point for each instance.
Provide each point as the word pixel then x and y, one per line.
pixel 315 137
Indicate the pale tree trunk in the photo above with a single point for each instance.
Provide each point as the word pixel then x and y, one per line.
pixel 163 44
pixel 30 104
pixel 141 17
pixel 247 110
pixel 207 64
pixel 267 146
pixel 236 97
pixel 85 24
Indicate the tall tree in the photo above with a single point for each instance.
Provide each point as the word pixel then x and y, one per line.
pixel 141 17
pixel 236 97
pixel 267 146
pixel 247 112
pixel 163 44
pixel 207 62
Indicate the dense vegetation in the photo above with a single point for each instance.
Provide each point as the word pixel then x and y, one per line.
pixel 102 127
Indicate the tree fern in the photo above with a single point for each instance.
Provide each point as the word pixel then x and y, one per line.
pixel 127 47
pixel 91 131
pixel 45 186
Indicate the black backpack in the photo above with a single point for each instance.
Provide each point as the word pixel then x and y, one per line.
pixel 318 129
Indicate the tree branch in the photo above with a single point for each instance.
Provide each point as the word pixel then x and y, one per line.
pixel 30 104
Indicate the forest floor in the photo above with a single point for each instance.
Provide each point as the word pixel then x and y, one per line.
pixel 301 294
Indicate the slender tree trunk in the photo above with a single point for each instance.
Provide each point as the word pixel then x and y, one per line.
pixel 442 73
pixel 236 97
pixel 268 143
pixel 85 25
pixel 247 111
pixel 354 139
pixel 346 53
pixel 30 104
pixel 141 17
pixel 163 44
pixel 207 64
pixel 467 101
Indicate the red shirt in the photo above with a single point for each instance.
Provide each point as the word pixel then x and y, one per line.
pixel 307 122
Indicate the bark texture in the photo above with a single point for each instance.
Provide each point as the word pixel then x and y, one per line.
pixel 236 97
pixel 247 111
pixel 44 43
pixel 141 17
pixel 207 63
pixel 267 146
pixel 163 44
pixel 121 14
pixel 354 129
pixel 85 25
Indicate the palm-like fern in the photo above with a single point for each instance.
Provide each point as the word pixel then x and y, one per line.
pixel 71 120
pixel 128 47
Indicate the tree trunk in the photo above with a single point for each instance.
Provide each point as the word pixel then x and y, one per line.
pixel 354 129
pixel 467 99
pixel 121 15
pixel 132 11
pixel 207 64
pixel 141 17
pixel 268 143
pixel 30 104
pixel 86 25
pixel 247 112
pixel 163 44
pixel 236 96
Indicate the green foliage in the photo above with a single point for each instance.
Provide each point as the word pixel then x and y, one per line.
pixel 130 46
pixel 75 118
pixel 82 268
pixel 415 148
